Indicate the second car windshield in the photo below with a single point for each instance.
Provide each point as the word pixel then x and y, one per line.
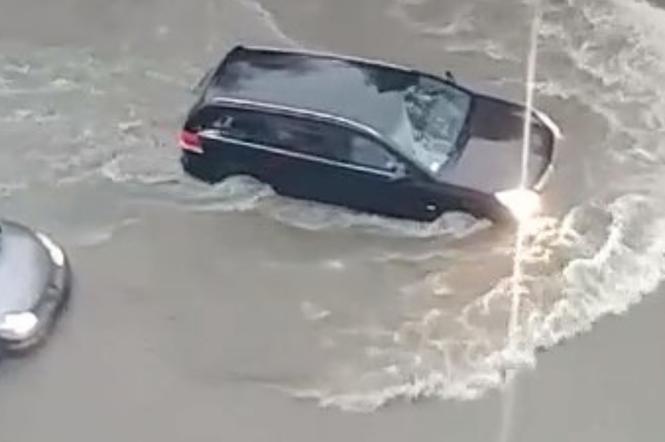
pixel 433 118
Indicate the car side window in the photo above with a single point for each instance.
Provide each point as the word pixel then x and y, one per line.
pixel 305 137
pixel 245 126
pixel 298 135
pixel 203 118
pixel 289 133
pixel 364 151
pixel 329 142
pixel 239 124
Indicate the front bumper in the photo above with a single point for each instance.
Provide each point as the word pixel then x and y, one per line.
pixel 557 135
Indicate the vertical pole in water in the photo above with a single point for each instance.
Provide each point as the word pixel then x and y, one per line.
pixel 509 397
pixel 530 81
pixel 530 84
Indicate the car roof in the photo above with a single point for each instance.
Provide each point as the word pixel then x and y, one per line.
pixel 332 85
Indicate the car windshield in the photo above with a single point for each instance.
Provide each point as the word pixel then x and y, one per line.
pixel 431 123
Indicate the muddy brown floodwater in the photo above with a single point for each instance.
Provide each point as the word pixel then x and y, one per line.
pixel 228 313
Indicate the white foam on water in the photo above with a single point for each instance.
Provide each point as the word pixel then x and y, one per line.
pixel 488 47
pixel 269 20
pixel 599 259
pixel 460 23
pixel 100 234
pixel 87 115
pixel 459 34
pixel 8 189
pixel 617 72
pixel 460 351
pixel 314 216
pixel 236 194
pixel 244 193
pixel 312 312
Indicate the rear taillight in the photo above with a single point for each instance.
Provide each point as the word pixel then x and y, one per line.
pixel 190 141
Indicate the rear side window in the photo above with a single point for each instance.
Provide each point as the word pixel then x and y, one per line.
pixel 306 137
pixel 272 130
pixel 330 142
pixel 242 125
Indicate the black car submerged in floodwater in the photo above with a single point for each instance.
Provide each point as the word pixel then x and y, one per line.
pixel 366 135
pixel 35 281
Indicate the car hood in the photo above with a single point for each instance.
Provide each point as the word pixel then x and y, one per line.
pixel 25 268
pixel 491 159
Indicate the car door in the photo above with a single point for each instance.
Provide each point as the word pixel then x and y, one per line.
pixel 238 141
pixel 381 181
pixel 332 164
pixel 287 152
pixel 304 169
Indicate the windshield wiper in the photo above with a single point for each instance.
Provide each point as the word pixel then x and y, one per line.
pixel 203 82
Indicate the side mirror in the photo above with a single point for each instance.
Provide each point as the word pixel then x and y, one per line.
pixel 398 169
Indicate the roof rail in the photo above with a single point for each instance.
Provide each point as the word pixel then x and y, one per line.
pixel 241 103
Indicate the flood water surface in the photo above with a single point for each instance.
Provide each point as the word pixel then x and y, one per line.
pixel 198 290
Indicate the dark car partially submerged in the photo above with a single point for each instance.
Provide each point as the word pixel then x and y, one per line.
pixel 35 282
pixel 366 135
